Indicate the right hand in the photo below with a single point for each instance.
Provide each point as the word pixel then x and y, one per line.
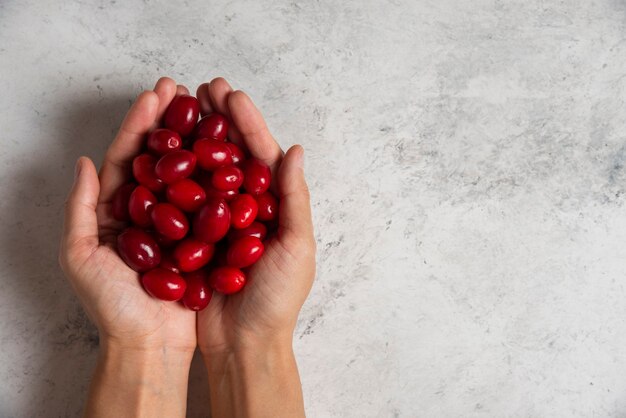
pixel 266 310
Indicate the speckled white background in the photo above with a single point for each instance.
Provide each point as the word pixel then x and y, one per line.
pixel 466 160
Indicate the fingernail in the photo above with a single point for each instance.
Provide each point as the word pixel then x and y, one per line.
pixel 77 168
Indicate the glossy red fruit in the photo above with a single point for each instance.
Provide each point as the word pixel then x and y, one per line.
pixel 119 204
pixel 237 154
pixel 227 280
pixel 211 222
pixel 214 126
pixel 143 170
pixel 212 154
pixel 256 229
pixel 227 178
pixel 140 204
pixel 192 254
pixel 244 252
pixel 243 211
pixel 163 141
pixel 164 284
pixel 257 176
pixel 168 263
pixel 186 195
pixel 138 249
pixel 268 207
pixel 175 166
pixel 182 114
pixel 169 221
pixel 198 293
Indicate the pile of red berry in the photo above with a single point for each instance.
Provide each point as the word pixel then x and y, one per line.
pixel 200 209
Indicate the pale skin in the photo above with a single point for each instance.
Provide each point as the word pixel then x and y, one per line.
pixel 146 345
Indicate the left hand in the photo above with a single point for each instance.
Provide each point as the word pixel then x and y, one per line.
pixel 110 292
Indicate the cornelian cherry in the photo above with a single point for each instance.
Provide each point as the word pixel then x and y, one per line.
pixel 182 114
pixel 227 280
pixel 138 249
pixel 198 293
pixel 164 284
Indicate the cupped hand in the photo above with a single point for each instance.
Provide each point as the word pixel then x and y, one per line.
pixel 108 289
pixel 266 310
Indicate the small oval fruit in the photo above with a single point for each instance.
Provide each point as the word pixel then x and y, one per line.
pixel 268 207
pixel 214 126
pixel 140 204
pixel 198 293
pixel 143 171
pixel 256 229
pixel 244 252
pixel 227 280
pixel 138 249
pixel 257 176
pixel 164 284
pixel 163 141
pixel 243 211
pixel 182 114
pixel 186 195
pixel 212 154
pixel 175 166
pixel 211 222
pixel 169 221
pixel 119 204
pixel 227 178
pixel 237 154
pixel 192 254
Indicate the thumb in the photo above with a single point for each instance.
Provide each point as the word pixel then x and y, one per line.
pixel 294 215
pixel 80 230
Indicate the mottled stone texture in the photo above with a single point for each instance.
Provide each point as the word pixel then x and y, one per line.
pixel 466 161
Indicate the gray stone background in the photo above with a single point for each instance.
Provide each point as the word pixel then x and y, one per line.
pixel 466 160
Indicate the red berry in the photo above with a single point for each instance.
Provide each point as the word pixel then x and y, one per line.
pixel 175 166
pixel 237 154
pixel 164 284
pixel 212 154
pixel 256 229
pixel 162 141
pixel 227 178
pixel 140 204
pixel 211 222
pixel 169 221
pixel 214 126
pixel 244 252
pixel 257 176
pixel 227 280
pixel 182 114
pixel 138 249
pixel 268 207
pixel 119 204
pixel 191 254
pixel 243 211
pixel 198 293
pixel 186 195
pixel 143 170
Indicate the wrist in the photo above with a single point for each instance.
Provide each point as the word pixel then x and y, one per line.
pixel 244 377
pixel 144 382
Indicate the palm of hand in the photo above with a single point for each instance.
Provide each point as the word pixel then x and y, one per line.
pixel 276 288
pixel 109 290
pixel 124 310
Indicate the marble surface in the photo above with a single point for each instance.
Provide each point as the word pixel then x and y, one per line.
pixel 466 161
